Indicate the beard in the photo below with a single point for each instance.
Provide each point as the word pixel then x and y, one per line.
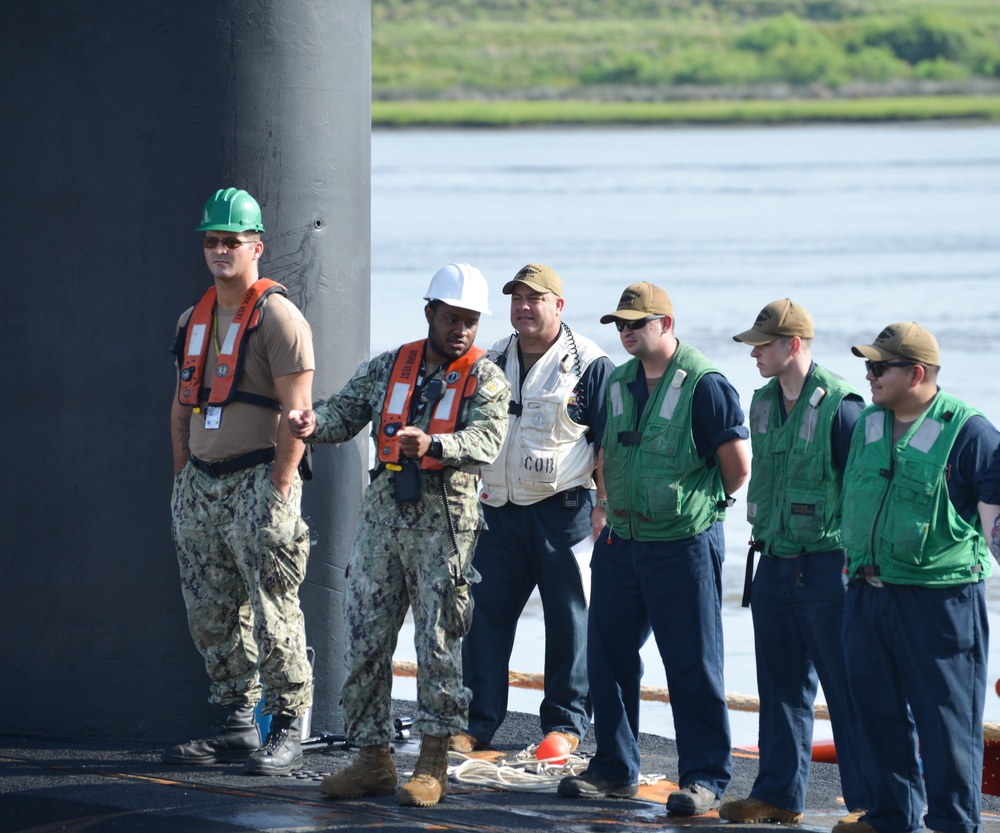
pixel 446 349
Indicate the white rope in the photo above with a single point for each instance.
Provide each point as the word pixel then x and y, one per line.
pixel 522 772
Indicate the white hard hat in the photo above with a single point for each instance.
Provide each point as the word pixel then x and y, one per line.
pixel 460 285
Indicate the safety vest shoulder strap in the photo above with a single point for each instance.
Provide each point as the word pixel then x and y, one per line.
pixel 460 386
pixel 191 362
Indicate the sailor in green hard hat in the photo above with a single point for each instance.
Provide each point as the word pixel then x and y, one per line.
pixel 244 360
pixel 231 209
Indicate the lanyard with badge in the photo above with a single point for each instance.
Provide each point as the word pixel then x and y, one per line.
pixel 213 413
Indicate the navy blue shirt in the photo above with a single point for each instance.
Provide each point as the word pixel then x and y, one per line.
pixel 974 467
pixel 847 416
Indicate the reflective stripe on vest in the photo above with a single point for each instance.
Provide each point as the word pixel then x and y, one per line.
pixel 672 396
pixel 231 351
pixel 461 383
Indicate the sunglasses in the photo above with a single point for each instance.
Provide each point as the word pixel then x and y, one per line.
pixel 637 325
pixel 228 242
pixel 878 368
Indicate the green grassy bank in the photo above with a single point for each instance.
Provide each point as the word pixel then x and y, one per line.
pixel 512 62
pixel 526 113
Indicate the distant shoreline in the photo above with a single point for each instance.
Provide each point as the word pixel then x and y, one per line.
pixel 554 113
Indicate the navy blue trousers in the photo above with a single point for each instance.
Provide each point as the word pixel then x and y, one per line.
pixel 798 610
pixel 672 589
pixel 525 546
pixel 916 657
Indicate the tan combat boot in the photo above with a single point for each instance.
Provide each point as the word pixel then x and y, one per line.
pixel 373 773
pixel 429 782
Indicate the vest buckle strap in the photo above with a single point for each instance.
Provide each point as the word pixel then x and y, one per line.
pixel 870 573
pixel 234 464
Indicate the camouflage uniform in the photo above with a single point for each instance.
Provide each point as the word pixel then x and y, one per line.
pixel 235 533
pixel 415 555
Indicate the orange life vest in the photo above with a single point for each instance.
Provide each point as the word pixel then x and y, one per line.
pixel 461 385
pixel 191 362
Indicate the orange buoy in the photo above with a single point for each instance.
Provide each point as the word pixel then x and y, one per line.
pixel 554 749
pixel 824 752
pixel 991 767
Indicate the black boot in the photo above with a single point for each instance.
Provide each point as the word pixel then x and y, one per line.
pixel 233 736
pixel 283 751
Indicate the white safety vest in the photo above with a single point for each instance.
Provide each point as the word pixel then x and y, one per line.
pixel 545 452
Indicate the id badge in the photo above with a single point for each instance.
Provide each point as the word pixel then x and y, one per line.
pixel 213 416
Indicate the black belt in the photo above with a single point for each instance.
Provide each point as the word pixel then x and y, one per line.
pixel 755 547
pixel 244 461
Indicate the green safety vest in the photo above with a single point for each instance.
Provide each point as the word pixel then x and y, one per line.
pixel 900 526
pixel 658 488
pixel 794 497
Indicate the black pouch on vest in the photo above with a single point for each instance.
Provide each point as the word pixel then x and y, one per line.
pixel 406 482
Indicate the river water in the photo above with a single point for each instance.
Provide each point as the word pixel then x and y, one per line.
pixel 863 225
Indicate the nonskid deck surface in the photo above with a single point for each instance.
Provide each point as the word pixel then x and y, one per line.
pixel 97 786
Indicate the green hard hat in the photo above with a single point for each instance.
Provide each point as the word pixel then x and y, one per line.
pixel 231 209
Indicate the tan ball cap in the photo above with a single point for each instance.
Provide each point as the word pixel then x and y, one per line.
pixel 902 340
pixel 538 277
pixel 640 300
pixel 779 319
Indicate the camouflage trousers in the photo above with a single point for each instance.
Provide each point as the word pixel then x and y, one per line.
pixel 392 570
pixel 242 551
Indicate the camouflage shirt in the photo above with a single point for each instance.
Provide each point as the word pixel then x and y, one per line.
pixel 482 425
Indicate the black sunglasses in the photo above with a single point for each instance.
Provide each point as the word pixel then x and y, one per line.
pixel 228 242
pixel 636 325
pixel 878 368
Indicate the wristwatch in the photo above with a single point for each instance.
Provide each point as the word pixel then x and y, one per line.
pixel 602 503
pixel 435 451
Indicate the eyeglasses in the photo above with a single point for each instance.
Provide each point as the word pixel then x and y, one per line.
pixel 637 325
pixel 228 242
pixel 878 368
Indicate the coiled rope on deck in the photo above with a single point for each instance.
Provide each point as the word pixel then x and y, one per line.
pixel 522 771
